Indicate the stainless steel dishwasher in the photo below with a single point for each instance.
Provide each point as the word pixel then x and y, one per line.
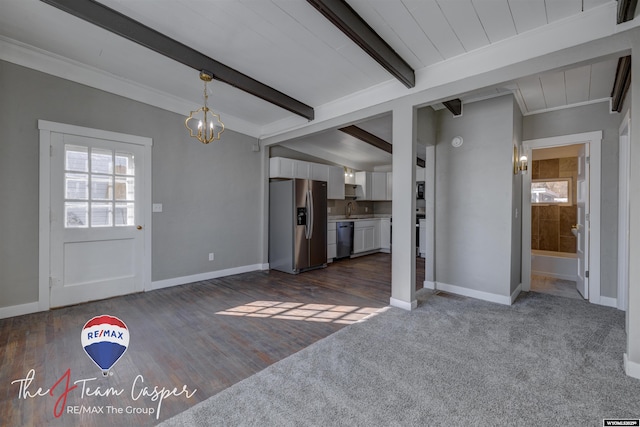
pixel 344 239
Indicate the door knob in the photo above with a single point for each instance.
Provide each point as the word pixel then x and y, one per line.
pixel 139 227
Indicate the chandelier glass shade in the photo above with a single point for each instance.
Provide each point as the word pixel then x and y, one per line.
pixel 203 124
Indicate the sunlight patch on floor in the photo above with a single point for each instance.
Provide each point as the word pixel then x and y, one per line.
pixel 325 313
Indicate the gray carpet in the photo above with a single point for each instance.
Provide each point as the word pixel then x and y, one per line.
pixel 546 360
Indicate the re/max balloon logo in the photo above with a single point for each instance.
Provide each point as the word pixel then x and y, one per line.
pixel 105 339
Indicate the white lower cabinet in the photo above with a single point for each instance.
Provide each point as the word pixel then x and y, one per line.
pixel 331 241
pixel 385 234
pixel 366 236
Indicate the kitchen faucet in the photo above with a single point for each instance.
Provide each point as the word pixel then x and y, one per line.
pixel 348 209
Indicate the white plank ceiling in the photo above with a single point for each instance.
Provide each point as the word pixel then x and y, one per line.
pixel 289 46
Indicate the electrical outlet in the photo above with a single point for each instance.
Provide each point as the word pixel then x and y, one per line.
pixel 211 256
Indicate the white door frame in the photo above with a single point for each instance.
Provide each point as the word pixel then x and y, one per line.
pixel 594 139
pixel 46 129
pixel 623 212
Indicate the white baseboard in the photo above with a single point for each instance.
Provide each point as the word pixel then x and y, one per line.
pixel 486 296
pixel 608 302
pixel 515 293
pixel 428 284
pixel 34 307
pixel 160 284
pixel 19 310
pixel 631 368
pixel 403 304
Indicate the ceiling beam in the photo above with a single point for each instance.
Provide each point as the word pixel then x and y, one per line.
pixel 114 21
pixel 353 26
pixel 454 105
pixel 621 84
pixel 371 139
pixel 367 137
pixel 626 10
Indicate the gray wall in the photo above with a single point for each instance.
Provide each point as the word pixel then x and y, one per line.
pixel 427 126
pixel 516 206
pixel 210 193
pixel 474 190
pixel 591 118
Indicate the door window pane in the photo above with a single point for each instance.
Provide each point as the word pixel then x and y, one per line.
pixel 125 164
pixel 125 214
pixel 76 215
pixel 101 161
pixel 76 158
pixel 101 187
pixel 125 188
pixel 76 186
pixel 101 215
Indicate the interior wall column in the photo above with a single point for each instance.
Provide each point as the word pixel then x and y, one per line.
pixel 430 217
pixel 403 254
pixel 632 355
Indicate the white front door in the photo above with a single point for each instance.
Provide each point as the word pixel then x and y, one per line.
pixel 582 282
pixel 97 243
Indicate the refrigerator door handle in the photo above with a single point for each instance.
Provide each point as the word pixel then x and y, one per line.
pixel 310 215
pixel 307 216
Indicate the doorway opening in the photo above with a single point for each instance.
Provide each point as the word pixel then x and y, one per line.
pixel 554 220
pixel 561 216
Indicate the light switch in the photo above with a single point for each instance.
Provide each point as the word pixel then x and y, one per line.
pixel 156 207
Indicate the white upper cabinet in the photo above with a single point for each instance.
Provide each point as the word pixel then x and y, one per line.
pixel 378 186
pixel 363 180
pixel 319 172
pixel 302 170
pixel 281 167
pixel 373 185
pixel 335 184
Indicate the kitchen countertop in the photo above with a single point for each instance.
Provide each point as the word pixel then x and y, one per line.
pixel 337 218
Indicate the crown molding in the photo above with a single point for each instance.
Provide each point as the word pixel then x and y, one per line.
pixel 41 60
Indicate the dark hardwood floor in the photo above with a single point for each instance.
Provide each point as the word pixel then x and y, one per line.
pixel 187 342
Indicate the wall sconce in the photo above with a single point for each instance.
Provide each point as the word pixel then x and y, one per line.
pixel 520 163
pixel 523 164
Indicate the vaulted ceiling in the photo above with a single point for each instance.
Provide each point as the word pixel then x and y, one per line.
pixel 291 47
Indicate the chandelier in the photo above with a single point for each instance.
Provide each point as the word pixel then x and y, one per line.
pixel 209 126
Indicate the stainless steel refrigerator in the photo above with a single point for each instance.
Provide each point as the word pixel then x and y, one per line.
pixel 297 225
